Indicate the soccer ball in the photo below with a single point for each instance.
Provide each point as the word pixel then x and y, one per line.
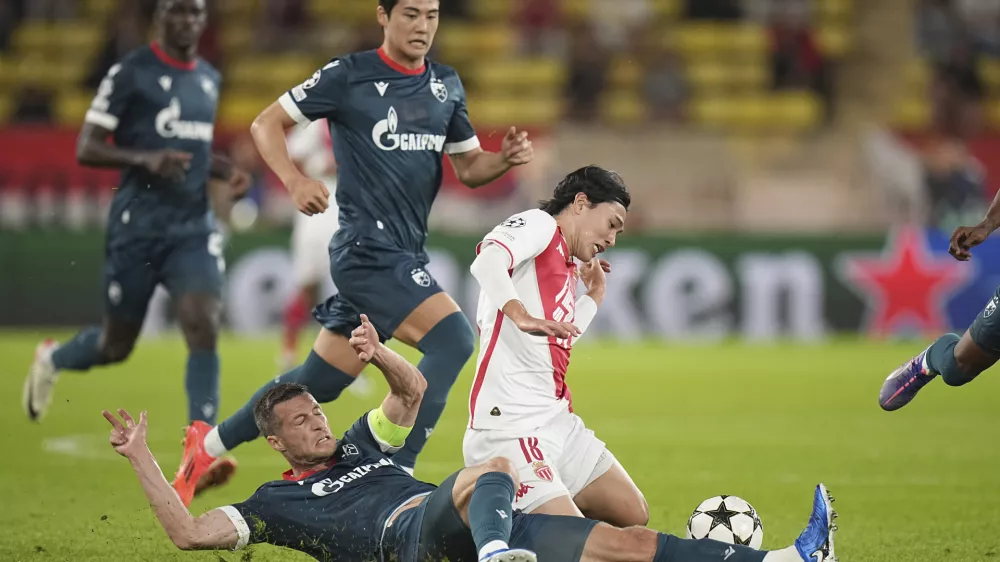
pixel 727 519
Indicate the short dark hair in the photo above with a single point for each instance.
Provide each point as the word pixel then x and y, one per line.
pixel 598 184
pixel 388 5
pixel 263 410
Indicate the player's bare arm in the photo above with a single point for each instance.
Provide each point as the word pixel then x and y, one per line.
pixel 477 167
pixel 94 149
pixel 214 530
pixel 406 383
pixel 964 238
pixel 269 131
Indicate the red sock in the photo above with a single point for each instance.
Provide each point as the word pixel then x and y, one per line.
pixel 296 314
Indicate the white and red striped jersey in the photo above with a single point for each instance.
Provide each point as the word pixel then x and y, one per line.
pixel 520 378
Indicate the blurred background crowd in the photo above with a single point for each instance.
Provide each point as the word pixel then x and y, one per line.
pixel 722 114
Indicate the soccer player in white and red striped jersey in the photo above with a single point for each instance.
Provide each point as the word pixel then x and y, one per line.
pixel 529 318
pixel 310 147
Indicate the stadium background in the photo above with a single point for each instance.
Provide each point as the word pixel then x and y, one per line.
pixel 797 166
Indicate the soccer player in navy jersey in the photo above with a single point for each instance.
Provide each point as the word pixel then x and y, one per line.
pixel 158 104
pixel 957 359
pixel 393 113
pixel 349 500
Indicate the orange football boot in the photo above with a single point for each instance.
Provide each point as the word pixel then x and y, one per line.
pixel 199 470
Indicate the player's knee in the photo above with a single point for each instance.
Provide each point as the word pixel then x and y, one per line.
pixel 116 350
pixel 200 326
pixel 634 542
pixel 452 335
pixel 503 465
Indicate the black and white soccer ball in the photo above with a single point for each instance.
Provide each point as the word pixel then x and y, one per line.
pixel 727 519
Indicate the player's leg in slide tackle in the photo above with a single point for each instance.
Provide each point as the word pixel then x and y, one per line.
pixel 958 360
pixel 403 301
pixel 471 512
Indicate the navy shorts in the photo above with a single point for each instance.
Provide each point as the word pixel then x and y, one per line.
pixel 434 531
pixel 376 279
pixel 183 264
pixel 985 329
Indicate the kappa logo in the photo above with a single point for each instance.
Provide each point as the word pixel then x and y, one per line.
pixel 428 431
pixel 420 277
pixel 522 490
pixel 386 138
pixel 991 307
pixel 165 83
pixel 729 552
pixel 502 514
pixel 381 87
pixel 439 90
pixel 350 449
pixel 513 222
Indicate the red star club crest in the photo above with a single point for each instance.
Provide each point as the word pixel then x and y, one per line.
pixel 906 286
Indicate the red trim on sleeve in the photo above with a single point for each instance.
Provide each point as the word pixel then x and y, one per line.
pixel 171 61
pixel 398 67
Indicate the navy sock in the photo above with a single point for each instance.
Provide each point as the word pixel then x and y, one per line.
pixel 202 384
pixel 80 353
pixel 446 348
pixel 324 381
pixel 941 360
pixel 490 509
pixel 675 549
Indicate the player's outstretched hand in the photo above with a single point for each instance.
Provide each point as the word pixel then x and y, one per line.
pixel 130 438
pixel 965 238
pixel 364 340
pixel 593 272
pixel 170 164
pixel 516 148
pixel 539 327
pixel 311 196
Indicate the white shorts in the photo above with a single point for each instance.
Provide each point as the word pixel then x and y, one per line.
pixel 310 246
pixel 561 458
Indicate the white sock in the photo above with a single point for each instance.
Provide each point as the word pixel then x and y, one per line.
pixel 784 555
pixel 491 546
pixel 213 443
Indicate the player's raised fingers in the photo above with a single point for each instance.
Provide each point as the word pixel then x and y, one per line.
pixel 117 425
pixel 142 418
pixel 364 319
pixel 126 416
pixel 511 133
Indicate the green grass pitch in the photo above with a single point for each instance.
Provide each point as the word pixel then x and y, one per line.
pixel 688 422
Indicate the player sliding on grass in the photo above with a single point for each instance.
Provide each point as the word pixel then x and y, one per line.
pixel 529 318
pixel 349 500
pixel 393 115
pixel 159 105
pixel 958 360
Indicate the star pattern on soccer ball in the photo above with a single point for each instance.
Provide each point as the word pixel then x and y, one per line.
pixel 720 516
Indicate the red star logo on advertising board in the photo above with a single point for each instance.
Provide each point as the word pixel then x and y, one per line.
pixel 906 287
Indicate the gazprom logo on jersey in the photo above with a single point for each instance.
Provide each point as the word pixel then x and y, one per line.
pixel 329 486
pixel 169 125
pixel 385 136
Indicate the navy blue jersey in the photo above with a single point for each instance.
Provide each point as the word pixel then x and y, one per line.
pixel 390 127
pixel 152 102
pixel 337 513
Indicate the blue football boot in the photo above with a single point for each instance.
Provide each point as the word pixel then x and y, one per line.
pixel 815 544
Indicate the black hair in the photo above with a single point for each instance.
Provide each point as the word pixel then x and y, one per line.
pixel 263 409
pixel 388 5
pixel 598 184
